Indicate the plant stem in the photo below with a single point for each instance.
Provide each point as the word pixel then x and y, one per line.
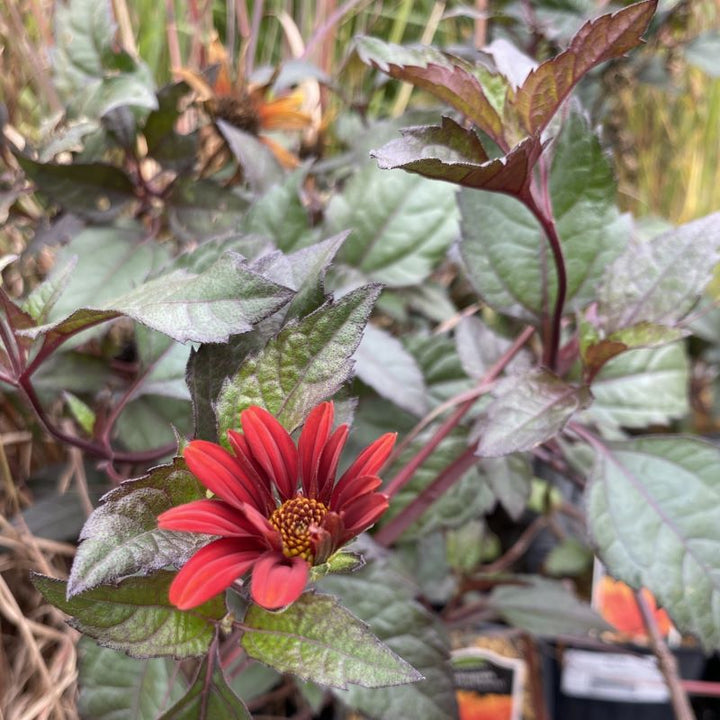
pixel 434 491
pixel 87 446
pixel 405 475
pixel 551 344
pixel 483 386
pixel 666 661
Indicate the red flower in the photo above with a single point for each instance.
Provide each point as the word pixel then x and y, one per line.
pixel 265 521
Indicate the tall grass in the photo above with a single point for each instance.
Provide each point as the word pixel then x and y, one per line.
pixel 670 160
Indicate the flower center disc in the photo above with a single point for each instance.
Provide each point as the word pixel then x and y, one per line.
pixel 293 520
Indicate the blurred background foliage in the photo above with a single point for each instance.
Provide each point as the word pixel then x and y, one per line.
pixel 661 110
pixel 660 113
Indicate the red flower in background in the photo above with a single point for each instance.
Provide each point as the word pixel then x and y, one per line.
pixel 277 507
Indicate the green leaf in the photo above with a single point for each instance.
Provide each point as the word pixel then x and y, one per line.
pixel 469 497
pixel 107 261
pixel 121 536
pixel 450 152
pixel 81 411
pixel 641 387
pixel 114 686
pixel 260 167
pixel 569 558
pixel 584 192
pixel 654 511
pixel 226 299
pixel 383 363
pixel 544 607
pixel 441 366
pixel 202 209
pixel 509 478
pixel 502 248
pixel 385 600
pixel 42 299
pixel 319 640
pixel 95 191
pixel 136 616
pixel 152 421
pixel 402 224
pixel 209 698
pixel 209 367
pixel 163 362
pixel 604 38
pixel 281 216
pixel 307 362
pixel 89 73
pixel 479 348
pixel 448 78
pixel 528 410
pixel 164 144
pixel 660 280
pixel 596 352
pixel 307 268
pixel 506 252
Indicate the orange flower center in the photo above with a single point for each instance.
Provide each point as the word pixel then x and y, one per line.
pixel 293 520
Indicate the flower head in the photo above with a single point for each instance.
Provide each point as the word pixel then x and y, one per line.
pixel 246 106
pixel 277 508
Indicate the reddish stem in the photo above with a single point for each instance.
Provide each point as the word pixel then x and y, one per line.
pixel 551 343
pixel 404 476
pixel 434 491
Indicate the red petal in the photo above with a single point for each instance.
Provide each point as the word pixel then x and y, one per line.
pixel 360 514
pixel 329 462
pixel 350 488
pixel 372 458
pixel 211 570
pixel 262 526
pixel 312 442
pixel 218 471
pixel 214 517
pixel 261 482
pixel 272 447
pixel 278 581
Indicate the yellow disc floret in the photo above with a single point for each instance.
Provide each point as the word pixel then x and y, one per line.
pixel 293 520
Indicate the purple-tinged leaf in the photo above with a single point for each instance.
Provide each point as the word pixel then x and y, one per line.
pixel 544 607
pixel 641 387
pixel 317 639
pixel 527 411
pixel 43 297
pixel 121 536
pixel 137 617
pixel 604 38
pixel 510 479
pixel 226 299
pixel 95 191
pixel 307 362
pixel 659 281
pixel 386 366
pixel 452 153
pixel 654 510
pixel 596 350
pixel 209 698
pixel 384 598
pixel 506 251
pixel 448 78
pixel 114 686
